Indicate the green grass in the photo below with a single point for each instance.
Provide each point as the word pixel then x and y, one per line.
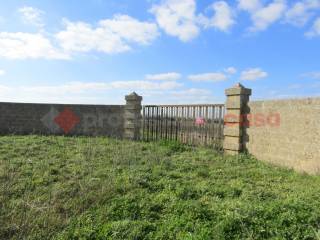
pixel 99 188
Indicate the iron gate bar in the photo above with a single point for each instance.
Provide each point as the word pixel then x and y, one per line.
pixel 196 124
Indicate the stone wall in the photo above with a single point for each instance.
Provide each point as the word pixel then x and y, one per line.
pixel 285 132
pixel 20 118
pixel 64 119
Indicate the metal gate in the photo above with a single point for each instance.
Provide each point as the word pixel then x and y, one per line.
pixel 189 124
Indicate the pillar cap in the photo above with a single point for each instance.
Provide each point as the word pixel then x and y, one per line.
pixel 133 97
pixel 238 89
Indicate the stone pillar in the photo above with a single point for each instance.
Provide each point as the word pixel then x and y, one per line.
pixel 132 117
pixel 236 119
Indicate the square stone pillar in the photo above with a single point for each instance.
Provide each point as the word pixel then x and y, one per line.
pixel 235 118
pixel 132 117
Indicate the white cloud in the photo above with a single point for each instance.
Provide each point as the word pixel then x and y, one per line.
pixel 177 18
pixel 315 30
pixel 110 36
pixel 249 5
pixel 131 29
pixel 208 77
pixel 81 87
pixel 264 17
pixel 144 85
pixel 183 96
pixel 84 92
pixel 253 74
pixel 295 86
pixel 191 91
pixel 230 70
pixel 31 15
pixel 172 76
pixel 301 12
pixel 2 72
pixel 4 90
pixel 222 19
pixel 67 88
pixel 194 95
pixel 27 45
pixel 312 75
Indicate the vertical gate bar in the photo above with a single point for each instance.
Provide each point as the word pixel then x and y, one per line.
pixel 176 122
pixel 220 124
pixel 154 123
pixel 173 122
pixel 143 121
pixel 193 123
pixel 201 126
pixel 180 134
pixel 210 130
pixel 152 117
pixel 147 124
pixel 146 119
pixel 190 124
pixel 161 122
pixel 206 126
pixel 166 123
pixel 169 123
pixel 179 122
pixel 213 125
pixel 187 124
pixel 216 125
pixel 183 128
pixel 196 126
pixel 157 123
pixel 170 118
pixel 151 132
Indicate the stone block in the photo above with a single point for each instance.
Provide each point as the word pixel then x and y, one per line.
pixel 238 90
pixel 233 131
pixel 233 102
pixel 232 143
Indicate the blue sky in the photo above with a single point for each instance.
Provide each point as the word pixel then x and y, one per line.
pixel 170 51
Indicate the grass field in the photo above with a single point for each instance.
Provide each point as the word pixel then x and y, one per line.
pixel 99 188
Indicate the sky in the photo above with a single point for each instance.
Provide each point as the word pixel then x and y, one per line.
pixel 168 51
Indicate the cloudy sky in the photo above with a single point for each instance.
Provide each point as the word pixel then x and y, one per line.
pixel 169 51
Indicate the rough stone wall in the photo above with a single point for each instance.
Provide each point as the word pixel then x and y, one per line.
pixel 286 132
pixel 96 120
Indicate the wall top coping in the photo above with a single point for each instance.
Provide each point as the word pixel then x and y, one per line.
pixel 302 100
pixel 133 97
pixel 238 89
pixel 61 104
